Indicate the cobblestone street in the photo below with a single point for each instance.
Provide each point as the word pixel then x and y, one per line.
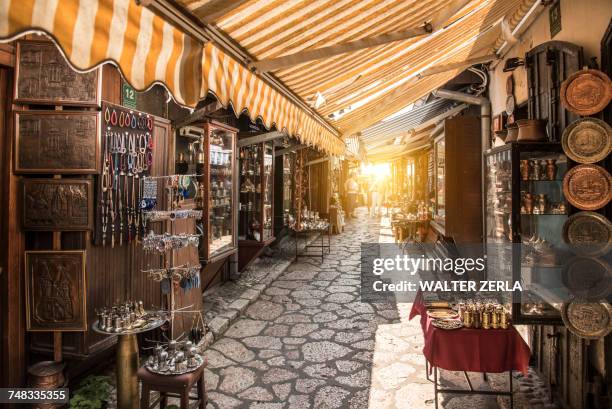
pixel 308 342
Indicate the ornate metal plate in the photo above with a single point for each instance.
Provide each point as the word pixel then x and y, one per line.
pixel 587 140
pixel 586 92
pixel 588 234
pixel 587 187
pixel 167 371
pixel 587 320
pixel 55 291
pixel 588 278
pixel 57 142
pixel 57 204
pixel 44 77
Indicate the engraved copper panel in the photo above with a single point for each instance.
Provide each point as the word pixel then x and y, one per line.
pixel 57 142
pixel 55 291
pixel 587 140
pixel 587 320
pixel 587 187
pixel 588 278
pixel 586 92
pixel 588 234
pixel 44 77
pixel 57 204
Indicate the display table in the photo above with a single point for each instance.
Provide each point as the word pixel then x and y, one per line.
pixel 322 233
pixel 128 363
pixel 410 229
pixel 471 350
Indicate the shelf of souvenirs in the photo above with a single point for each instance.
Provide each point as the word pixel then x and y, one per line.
pixel 218 244
pixel 550 299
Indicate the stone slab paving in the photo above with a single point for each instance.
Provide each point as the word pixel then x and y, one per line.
pixel 308 342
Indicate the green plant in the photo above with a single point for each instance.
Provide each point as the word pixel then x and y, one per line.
pixel 92 393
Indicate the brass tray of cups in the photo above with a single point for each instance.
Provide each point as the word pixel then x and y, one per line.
pixel 128 318
pixel 171 370
pixel 447 324
pixel 587 187
pixel 586 92
pixel 587 140
pixel 590 320
pixel 442 314
pixel 588 278
pixel 588 234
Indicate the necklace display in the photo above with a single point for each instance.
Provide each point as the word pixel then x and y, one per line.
pixel 127 158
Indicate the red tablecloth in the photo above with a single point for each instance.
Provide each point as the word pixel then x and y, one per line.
pixel 472 350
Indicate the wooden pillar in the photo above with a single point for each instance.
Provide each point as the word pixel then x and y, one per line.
pixel 12 301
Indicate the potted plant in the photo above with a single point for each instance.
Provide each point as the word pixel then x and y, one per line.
pixel 93 393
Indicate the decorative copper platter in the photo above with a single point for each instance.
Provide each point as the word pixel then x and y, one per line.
pixel 587 187
pixel 591 320
pixel 588 234
pixel 443 314
pixel 588 278
pixel 586 92
pixel 587 140
pixel 447 324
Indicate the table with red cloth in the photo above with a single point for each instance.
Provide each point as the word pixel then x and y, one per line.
pixel 471 350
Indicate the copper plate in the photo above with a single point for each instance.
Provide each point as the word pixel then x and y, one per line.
pixel 588 278
pixel 442 314
pixel 586 92
pixel 591 320
pixel 587 140
pixel 587 187
pixel 588 234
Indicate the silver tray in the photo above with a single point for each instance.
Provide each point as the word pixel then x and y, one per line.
pixel 171 372
pixel 149 326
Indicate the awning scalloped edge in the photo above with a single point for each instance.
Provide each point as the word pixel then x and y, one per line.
pixel 148 50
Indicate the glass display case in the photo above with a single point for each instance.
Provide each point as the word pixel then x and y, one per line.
pixel 255 220
pixel 288 186
pixel 525 215
pixel 439 215
pixel 217 190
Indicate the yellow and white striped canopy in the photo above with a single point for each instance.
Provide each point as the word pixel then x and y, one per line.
pixel 148 49
pixel 360 88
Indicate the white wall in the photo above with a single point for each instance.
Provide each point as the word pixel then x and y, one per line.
pixel 583 22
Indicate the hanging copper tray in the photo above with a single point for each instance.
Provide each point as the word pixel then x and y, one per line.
pixel 590 320
pixel 588 234
pixel 587 187
pixel 588 278
pixel 586 92
pixel 587 140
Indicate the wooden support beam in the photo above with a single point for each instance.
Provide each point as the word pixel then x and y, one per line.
pixel 199 114
pixel 436 69
pixel 316 161
pixel 264 137
pixel 290 149
pixel 213 10
pixel 326 52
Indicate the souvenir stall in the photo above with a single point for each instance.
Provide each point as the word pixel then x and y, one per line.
pixel 98 219
pixel 547 194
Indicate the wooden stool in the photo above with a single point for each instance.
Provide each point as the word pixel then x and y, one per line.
pixel 175 386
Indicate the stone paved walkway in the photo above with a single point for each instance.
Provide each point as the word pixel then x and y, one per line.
pixel 308 342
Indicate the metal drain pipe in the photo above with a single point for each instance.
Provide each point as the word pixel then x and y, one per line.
pixel 485 129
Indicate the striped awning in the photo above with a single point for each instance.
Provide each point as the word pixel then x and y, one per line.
pixel 147 49
pixel 359 88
